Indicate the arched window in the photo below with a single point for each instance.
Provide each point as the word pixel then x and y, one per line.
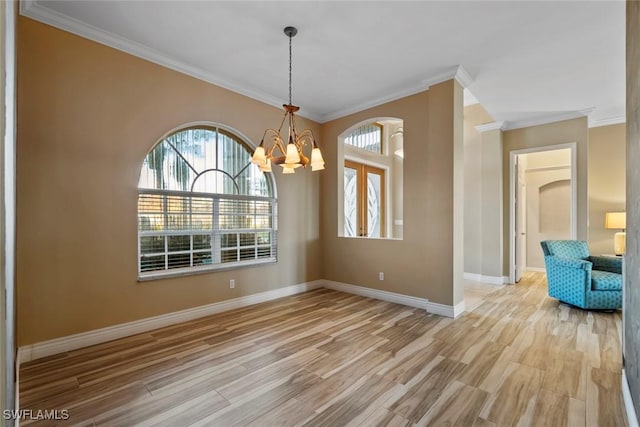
pixel 202 205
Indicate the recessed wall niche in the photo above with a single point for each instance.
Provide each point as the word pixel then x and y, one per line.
pixel 370 179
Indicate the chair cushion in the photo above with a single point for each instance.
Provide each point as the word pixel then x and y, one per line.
pixel 566 248
pixel 605 281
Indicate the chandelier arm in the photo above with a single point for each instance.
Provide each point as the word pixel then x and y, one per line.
pixel 276 141
pixel 282 122
pixel 308 135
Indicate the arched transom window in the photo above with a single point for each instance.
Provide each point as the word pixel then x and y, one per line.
pixel 202 205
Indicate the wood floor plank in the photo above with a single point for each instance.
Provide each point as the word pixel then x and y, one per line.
pixel 419 398
pixel 604 395
pixel 515 399
pixel 459 404
pixel 328 358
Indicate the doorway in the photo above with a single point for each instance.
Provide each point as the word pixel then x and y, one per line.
pixel 543 203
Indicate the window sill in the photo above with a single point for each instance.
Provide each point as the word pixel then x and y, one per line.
pixel 370 238
pixel 168 274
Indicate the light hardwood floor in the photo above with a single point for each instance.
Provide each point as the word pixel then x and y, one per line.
pixel 326 358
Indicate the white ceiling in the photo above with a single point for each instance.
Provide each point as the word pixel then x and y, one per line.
pixel 529 61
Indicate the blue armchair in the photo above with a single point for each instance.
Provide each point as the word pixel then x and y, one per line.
pixel 578 279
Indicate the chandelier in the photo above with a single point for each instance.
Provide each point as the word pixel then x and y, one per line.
pixel 273 150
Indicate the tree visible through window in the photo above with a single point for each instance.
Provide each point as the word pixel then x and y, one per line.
pixel 202 205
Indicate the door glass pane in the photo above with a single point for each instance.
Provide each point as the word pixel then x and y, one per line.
pixel 350 202
pixel 374 205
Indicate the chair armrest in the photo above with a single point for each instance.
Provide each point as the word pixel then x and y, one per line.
pixel 571 263
pixel 604 263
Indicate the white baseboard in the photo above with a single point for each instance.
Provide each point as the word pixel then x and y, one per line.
pixel 490 280
pixel 446 310
pixel 16 388
pixel 536 269
pixel 423 303
pixel 85 339
pixel 632 418
pixel 377 294
pixel 98 336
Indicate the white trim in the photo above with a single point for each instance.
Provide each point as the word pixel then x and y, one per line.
pixel 36 10
pixel 463 77
pixel 607 122
pixel 9 205
pixel 446 310
pixel 408 91
pixel 85 339
pixel 468 98
pixel 17 400
pixel 458 73
pixel 547 168
pixel 489 280
pixel 632 418
pixel 574 195
pixel 535 269
pixel 551 118
pixel 490 126
pixel 377 294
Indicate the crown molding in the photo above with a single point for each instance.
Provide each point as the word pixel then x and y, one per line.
pixel 463 77
pixel 457 73
pixel 551 118
pixel 37 11
pixel 412 90
pixel 469 98
pixel 607 122
pixel 490 126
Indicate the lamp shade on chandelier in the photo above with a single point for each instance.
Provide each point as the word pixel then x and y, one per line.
pixel 287 150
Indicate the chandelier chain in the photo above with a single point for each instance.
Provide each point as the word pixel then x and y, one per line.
pixel 290 60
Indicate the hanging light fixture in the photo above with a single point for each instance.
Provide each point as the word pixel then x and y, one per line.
pixel 288 152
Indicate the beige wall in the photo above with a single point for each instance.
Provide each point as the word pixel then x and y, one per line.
pixel 474 171
pixel 88 116
pixel 607 157
pixel 422 264
pixel 563 132
pixel 548 210
pixel 548 159
pixel 553 221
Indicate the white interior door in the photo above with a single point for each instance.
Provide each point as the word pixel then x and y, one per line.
pixel 521 221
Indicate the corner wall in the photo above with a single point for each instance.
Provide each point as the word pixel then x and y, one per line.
pixel 474 184
pixel 422 264
pixel 88 116
pixel 631 319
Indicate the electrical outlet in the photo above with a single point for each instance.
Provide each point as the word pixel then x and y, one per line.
pixel 232 283
pixel 381 275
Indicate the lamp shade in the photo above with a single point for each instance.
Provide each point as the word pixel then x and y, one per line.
pixel 259 156
pixel 615 220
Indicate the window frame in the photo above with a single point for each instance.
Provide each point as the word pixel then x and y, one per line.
pixel 215 232
pixel 381 130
